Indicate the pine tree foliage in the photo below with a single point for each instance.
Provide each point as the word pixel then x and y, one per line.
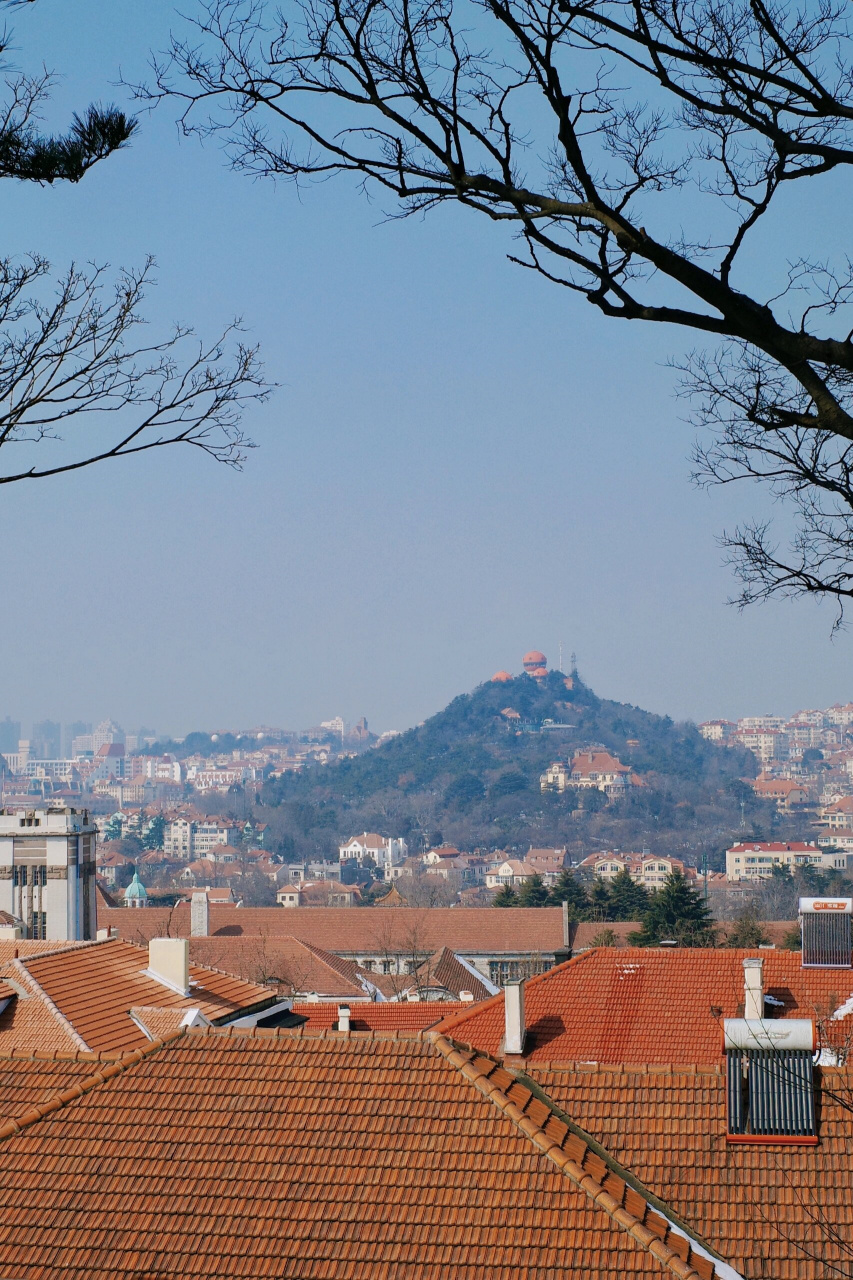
pixel 568 888
pixel 676 913
pixel 628 900
pixel 533 893
pixel 30 156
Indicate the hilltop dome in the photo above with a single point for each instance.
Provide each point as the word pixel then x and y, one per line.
pixel 538 672
pixel 534 659
pixel 501 677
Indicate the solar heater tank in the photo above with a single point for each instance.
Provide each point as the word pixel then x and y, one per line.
pixel 826 932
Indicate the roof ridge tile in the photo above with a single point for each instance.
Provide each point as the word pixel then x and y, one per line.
pixel 579 1162
pixel 59 1100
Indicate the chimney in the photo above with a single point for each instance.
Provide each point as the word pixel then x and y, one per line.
pixel 514 1017
pixel 467 997
pixel 753 988
pixel 169 963
pixel 343 1017
pixel 200 915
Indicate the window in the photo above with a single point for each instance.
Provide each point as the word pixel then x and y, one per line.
pixel 368 965
pixel 503 971
pixel 387 966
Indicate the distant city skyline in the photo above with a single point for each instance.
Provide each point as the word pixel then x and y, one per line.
pixel 334 722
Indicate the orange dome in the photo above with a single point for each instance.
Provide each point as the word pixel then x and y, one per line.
pixel 539 671
pixel 534 659
pixel 501 677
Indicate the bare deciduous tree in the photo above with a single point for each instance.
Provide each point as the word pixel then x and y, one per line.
pixel 595 129
pixel 75 372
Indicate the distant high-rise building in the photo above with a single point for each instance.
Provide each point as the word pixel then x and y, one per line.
pixel 45 740
pixel 76 729
pixel 47 872
pixel 10 733
pixel 105 733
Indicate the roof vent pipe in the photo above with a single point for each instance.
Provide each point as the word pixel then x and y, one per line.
pixel 343 1017
pixel 514 1028
pixel 753 988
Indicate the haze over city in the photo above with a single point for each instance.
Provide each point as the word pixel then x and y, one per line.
pixel 412 865
pixel 460 462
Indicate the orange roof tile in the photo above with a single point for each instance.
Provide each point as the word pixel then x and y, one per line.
pixel 785 1212
pixel 463 929
pixel 648 1006
pixel 288 963
pixel 26 1082
pixel 387 1015
pixel 428 1177
pixel 85 994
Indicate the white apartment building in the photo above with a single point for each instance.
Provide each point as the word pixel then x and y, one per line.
pixel 188 839
pixel 767 744
pixel 47 872
pixel 24 766
pixel 841 716
pixel 719 731
pixel 751 724
pixel 647 869
pixel 106 733
pixel 385 852
pixel 756 861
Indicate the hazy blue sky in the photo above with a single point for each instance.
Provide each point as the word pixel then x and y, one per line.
pixel 461 462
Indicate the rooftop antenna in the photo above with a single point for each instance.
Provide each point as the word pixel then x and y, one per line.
pixel 561 657
pixel 574 660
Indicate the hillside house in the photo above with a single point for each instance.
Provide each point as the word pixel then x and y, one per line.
pixel 372 848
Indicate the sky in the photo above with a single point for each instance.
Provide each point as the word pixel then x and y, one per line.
pixel 460 462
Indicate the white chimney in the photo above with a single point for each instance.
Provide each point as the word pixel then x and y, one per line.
pixel 753 988
pixel 343 1017
pixel 169 963
pixel 467 997
pixel 514 1017
pixel 200 915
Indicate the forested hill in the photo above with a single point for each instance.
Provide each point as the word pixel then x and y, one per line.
pixel 470 776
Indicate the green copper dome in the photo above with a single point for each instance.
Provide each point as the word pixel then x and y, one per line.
pixel 136 889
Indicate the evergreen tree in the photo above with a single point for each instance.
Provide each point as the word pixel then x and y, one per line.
pixel 628 900
pixel 569 889
pixel 599 901
pixel 792 939
pixel 533 893
pixel 112 830
pixel 505 897
pixel 155 832
pixel 746 931
pixel 678 912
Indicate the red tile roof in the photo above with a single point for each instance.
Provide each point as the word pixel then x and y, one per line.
pixel 446 970
pixel 389 1015
pixel 26 1082
pixel 463 929
pixel 81 997
pixel 648 1006
pixel 771 1211
pixel 442 1167
pixel 292 966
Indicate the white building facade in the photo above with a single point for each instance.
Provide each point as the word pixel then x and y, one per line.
pixel 47 872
